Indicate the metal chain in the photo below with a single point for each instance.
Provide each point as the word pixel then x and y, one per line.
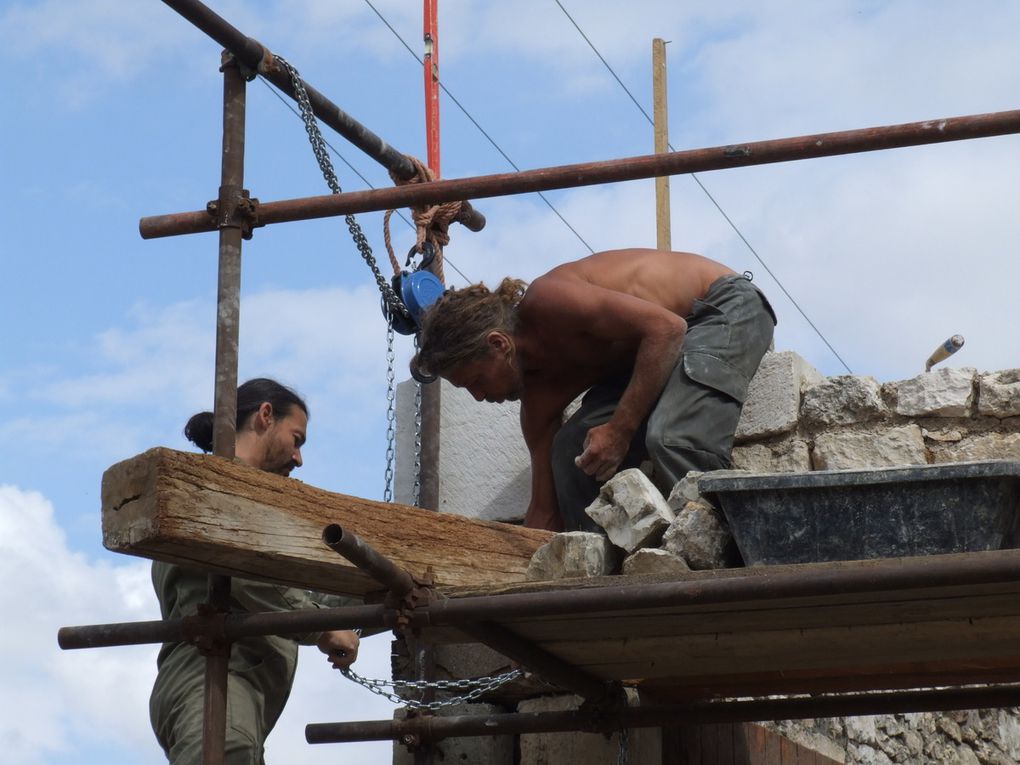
pixel 621 756
pixel 391 415
pixel 417 444
pixel 475 687
pixel 393 303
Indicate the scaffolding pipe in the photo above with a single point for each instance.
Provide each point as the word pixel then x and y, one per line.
pixel 228 627
pixel 415 729
pixel 611 171
pixel 368 559
pixel 256 57
pixel 986 568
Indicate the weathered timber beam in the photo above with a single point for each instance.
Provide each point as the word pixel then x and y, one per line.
pixel 224 516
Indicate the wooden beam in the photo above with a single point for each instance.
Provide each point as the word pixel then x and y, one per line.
pixel 223 516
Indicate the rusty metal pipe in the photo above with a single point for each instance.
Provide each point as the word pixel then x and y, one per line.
pixel 1000 566
pixel 232 627
pixel 366 558
pixel 436 728
pixel 257 58
pixel 541 661
pixel 612 171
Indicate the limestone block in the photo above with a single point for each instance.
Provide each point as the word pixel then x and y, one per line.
pixel 654 561
pixel 791 455
pixel 644 745
pixel 999 394
pixel 986 446
pixel 945 392
pixel 773 397
pixel 484 466
pixel 492 750
pixel 896 446
pixel 686 490
pixel 842 400
pixel 699 535
pixel 631 510
pixel 571 555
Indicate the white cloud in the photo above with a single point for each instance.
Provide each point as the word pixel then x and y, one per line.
pixel 57 703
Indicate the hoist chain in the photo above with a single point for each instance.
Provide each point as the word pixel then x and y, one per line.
pixel 417 445
pixel 474 687
pixel 393 303
pixel 391 415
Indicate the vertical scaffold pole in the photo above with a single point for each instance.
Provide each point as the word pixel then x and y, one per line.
pixel 430 394
pixel 663 238
pixel 228 309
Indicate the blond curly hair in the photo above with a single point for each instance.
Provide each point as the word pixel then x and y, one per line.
pixel 455 328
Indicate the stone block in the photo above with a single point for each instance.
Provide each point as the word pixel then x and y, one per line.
pixel 654 561
pixel 985 446
pixel 644 745
pixel 945 392
pixel 631 510
pixel 842 400
pixel 573 554
pixel 791 455
pixel 889 448
pixel 699 535
pixel 773 397
pixel 491 750
pixel 999 394
pixel 685 490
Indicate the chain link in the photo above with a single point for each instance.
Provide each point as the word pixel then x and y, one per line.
pixel 394 305
pixel 391 415
pixel 417 444
pixel 622 754
pixel 475 688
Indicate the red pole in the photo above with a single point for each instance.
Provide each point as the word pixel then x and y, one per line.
pixel 431 61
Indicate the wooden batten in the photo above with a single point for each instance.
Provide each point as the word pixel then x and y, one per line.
pixel 224 516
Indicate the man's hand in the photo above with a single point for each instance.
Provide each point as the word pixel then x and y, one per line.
pixel 340 646
pixel 604 450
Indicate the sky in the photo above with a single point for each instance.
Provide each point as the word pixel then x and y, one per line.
pixel 112 112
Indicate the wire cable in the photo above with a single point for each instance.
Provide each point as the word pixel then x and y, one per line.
pixel 482 130
pixel 711 198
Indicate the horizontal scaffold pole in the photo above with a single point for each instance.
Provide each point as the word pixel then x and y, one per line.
pixel 611 171
pixel 433 728
pixel 254 55
pixel 894 574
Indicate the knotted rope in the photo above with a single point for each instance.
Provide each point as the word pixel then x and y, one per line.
pixel 432 223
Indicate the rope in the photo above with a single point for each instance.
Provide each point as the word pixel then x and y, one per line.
pixel 432 223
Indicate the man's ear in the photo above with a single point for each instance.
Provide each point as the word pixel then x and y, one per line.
pixel 499 341
pixel 263 417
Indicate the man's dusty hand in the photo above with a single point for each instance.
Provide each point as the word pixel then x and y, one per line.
pixel 340 647
pixel 604 450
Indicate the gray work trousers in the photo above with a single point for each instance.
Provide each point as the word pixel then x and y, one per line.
pixel 692 424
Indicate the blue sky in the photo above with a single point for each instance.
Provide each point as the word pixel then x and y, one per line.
pixel 112 112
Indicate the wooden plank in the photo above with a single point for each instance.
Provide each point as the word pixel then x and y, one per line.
pixel 207 512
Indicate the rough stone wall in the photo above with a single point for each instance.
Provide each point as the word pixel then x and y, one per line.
pixel 795 420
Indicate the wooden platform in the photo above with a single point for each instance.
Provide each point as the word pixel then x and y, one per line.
pixel 945 620
pixel 863 637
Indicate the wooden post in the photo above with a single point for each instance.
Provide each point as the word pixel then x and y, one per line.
pixel 663 239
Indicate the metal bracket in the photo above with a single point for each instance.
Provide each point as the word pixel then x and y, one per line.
pixel 243 214
pixel 206 630
pixel 421 594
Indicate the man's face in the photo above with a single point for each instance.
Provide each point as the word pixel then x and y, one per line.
pixel 493 378
pixel 282 442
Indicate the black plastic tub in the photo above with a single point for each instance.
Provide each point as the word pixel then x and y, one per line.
pixel 856 514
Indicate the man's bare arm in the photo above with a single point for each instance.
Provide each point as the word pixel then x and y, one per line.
pixel 607 322
pixel 539 432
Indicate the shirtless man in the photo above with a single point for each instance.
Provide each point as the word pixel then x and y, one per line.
pixel 664 343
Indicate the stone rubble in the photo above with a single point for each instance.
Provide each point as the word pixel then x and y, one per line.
pixel 631 510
